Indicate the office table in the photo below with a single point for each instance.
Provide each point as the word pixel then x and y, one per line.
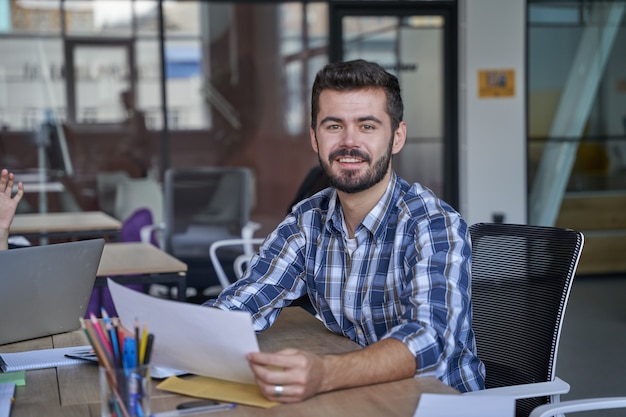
pixel 42 187
pixel 82 224
pixel 141 263
pixel 73 390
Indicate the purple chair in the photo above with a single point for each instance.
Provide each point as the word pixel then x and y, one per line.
pixel 130 232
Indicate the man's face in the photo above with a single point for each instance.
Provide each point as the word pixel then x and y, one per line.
pixel 353 138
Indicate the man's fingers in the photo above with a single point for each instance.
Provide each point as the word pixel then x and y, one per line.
pixel 271 375
pixel 287 358
pixel 287 376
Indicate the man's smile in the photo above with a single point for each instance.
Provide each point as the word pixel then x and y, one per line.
pixel 349 160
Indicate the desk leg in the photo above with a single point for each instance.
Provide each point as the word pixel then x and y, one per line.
pixel 182 286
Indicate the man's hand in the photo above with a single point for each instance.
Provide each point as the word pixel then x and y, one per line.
pixel 289 375
pixel 293 375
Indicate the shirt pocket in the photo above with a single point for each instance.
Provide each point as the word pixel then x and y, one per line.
pixel 382 309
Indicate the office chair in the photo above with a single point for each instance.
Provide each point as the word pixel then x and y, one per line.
pixel 141 193
pixel 106 185
pixel 136 193
pixel 204 205
pixel 521 280
pixel 574 406
pixel 247 246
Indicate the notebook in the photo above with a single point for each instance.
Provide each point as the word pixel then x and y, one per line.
pixel 42 358
pixel 45 289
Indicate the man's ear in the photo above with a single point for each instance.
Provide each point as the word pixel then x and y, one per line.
pixel 399 138
pixel 313 140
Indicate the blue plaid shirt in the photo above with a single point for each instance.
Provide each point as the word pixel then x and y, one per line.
pixel 407 279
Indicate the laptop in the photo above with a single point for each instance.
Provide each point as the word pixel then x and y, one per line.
pixel 44 290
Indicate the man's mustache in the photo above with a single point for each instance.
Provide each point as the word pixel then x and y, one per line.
pixel 354 153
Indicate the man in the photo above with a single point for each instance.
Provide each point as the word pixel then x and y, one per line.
pixel 384 263
pixel 8 205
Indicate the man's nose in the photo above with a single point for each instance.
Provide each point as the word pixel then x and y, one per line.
pixel 348 139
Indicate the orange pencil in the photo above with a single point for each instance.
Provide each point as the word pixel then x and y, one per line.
pixel 98 348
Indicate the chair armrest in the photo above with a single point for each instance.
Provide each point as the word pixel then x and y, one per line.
pixel 246 234
pixel 145 233
pixel 539 389
pixel 548 410
pixel 248 229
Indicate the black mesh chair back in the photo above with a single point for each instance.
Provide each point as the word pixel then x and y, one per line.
pixel 521 280
pixel 203 205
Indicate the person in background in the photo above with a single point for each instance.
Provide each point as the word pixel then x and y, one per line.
pixel 138 147
pixel 384 262
pixel 8 204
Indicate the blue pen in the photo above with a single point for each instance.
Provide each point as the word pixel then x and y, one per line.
pixel 134 400
pixel 130 353
pixel 195 410
pixel 130 363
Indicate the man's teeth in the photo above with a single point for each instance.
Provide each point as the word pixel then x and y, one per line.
pixel 349 160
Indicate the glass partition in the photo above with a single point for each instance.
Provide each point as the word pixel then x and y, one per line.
pixel 237 80
pixel 577 125
pixel 576 97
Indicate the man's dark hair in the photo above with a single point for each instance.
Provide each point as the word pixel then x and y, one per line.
pixel 356 75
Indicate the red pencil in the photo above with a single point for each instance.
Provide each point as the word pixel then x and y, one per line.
pixel 103 338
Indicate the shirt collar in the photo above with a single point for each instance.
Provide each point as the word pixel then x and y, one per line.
pixel 375 221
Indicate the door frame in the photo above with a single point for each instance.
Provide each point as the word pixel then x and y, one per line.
pixel 70 86
pixel 337 10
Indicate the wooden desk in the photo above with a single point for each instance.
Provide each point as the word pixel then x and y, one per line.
pixel 67 225
pixel 74 391
pixel 141 263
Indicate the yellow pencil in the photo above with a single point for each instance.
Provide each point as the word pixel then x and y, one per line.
pixel 143 344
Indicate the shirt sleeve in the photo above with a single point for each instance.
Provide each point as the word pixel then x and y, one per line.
pixel 435 319
pixel 273 279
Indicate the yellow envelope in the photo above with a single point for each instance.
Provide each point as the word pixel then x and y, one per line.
pixel 217 389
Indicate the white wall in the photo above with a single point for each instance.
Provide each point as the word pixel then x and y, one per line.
pixel 492 131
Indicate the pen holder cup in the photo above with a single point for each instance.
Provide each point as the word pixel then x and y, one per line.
pixel 125 392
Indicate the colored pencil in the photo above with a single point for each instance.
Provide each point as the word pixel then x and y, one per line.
pixel 100 333
pixel 114 344
pixel 146 359
pixel 143 344
pixel 120 339
pixel 137 342
pixel 105 363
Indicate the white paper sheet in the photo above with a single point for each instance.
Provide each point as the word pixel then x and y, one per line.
pixel 440 405
pixel 200 340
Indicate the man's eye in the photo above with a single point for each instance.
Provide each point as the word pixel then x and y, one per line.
pixel 368 127
pixel 333 127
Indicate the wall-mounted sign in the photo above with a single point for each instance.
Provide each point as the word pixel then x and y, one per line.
pixel 496 83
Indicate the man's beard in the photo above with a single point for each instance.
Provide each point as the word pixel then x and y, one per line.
pixel 347 180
